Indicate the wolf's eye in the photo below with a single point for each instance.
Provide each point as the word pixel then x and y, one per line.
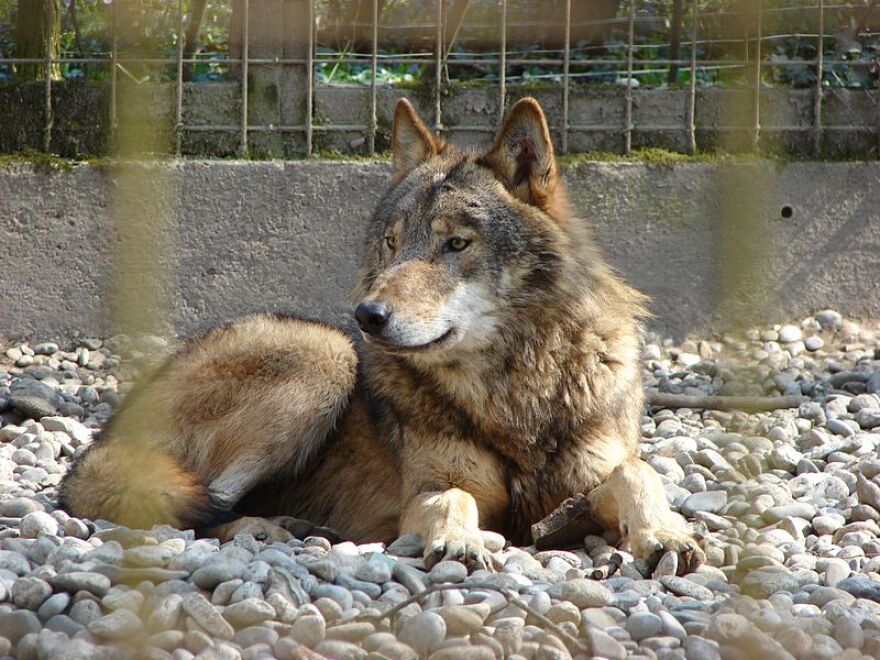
pixel 457 243
pixel 390 242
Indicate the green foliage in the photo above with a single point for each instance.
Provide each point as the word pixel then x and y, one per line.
pixel 726 32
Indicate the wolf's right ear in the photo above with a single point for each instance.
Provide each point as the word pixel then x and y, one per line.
pixel 412 142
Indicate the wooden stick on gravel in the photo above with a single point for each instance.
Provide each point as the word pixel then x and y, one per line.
pixel 744 403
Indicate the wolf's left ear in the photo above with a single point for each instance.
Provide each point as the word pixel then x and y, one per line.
pixel 522 155
pixel 412 142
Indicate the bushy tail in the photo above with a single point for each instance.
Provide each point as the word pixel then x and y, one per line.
pixel 137 487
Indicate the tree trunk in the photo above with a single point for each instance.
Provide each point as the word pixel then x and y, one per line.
pixel 37 34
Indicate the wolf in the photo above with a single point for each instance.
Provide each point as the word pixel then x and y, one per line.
pixel 494 372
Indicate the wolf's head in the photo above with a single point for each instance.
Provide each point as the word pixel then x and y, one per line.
pixel 463 242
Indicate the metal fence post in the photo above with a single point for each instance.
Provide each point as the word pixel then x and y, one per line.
pixel 630 42
pixel 178 124
pixel 438 66
pixel 310 78
pixel 114 53
pixel 502 65
pixel 820 64
pixel 245 46
pixel 374 68
pixel 49 117
pixel 566 76
pixel 756 92
pixel 692 95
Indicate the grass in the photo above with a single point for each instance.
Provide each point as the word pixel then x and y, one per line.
pixel 51 164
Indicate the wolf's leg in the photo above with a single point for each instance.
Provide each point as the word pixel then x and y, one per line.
pixel 632 499
pixel 449 522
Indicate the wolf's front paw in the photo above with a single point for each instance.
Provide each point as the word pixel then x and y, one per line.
pixel 462 546
pixel 650 544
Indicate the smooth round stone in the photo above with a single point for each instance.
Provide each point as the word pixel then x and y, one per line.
pixel 208 577
pixel 408 545
pixel 423 631
pixel 309 629
pixel 643 624
pixel 709 501
pixel 16 624
pixel 790 333
pixel 814 343
pixel 463 620
pixel 835 571
pixel 84 612
pixel 248 612
pixel 447 571
pixel 350 632
pixel 684 587
pixel 668 565
pixel 763 583
pixel 29 593
pixel 18 507
pixel 376 569
pixel 827 524
pixel 585 593
pixel 130 600
pixel 38 523
pixel 795 510
pixel 117 625
pixel 861 587
pixel 848 633
pixel 829 319
pixel 53 606
pixel 94 583
pixel 335 648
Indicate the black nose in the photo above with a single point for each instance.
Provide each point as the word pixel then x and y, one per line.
pixel 372 316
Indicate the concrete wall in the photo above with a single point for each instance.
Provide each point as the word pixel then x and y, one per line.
pixel 287 235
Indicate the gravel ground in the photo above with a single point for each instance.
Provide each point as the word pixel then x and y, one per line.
pixel 788 503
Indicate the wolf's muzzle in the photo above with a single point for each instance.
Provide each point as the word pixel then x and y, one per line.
pixel 372 317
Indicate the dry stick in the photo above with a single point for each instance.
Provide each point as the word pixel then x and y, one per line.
pixel 570 641
pixel 744 403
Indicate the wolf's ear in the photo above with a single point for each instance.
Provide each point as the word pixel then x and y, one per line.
pixel 411 141
pixel 522 155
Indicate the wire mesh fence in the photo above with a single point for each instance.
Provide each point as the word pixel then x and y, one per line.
pixel 307 75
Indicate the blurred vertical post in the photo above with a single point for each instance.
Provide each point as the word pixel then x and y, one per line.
pixel 744 247
pixel 144 203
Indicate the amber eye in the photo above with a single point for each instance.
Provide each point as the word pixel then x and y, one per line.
pixel 457 243
pixel 390 242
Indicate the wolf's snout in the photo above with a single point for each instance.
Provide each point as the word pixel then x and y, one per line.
pixel 372 317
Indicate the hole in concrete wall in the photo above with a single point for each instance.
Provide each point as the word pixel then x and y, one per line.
pixel 786 212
